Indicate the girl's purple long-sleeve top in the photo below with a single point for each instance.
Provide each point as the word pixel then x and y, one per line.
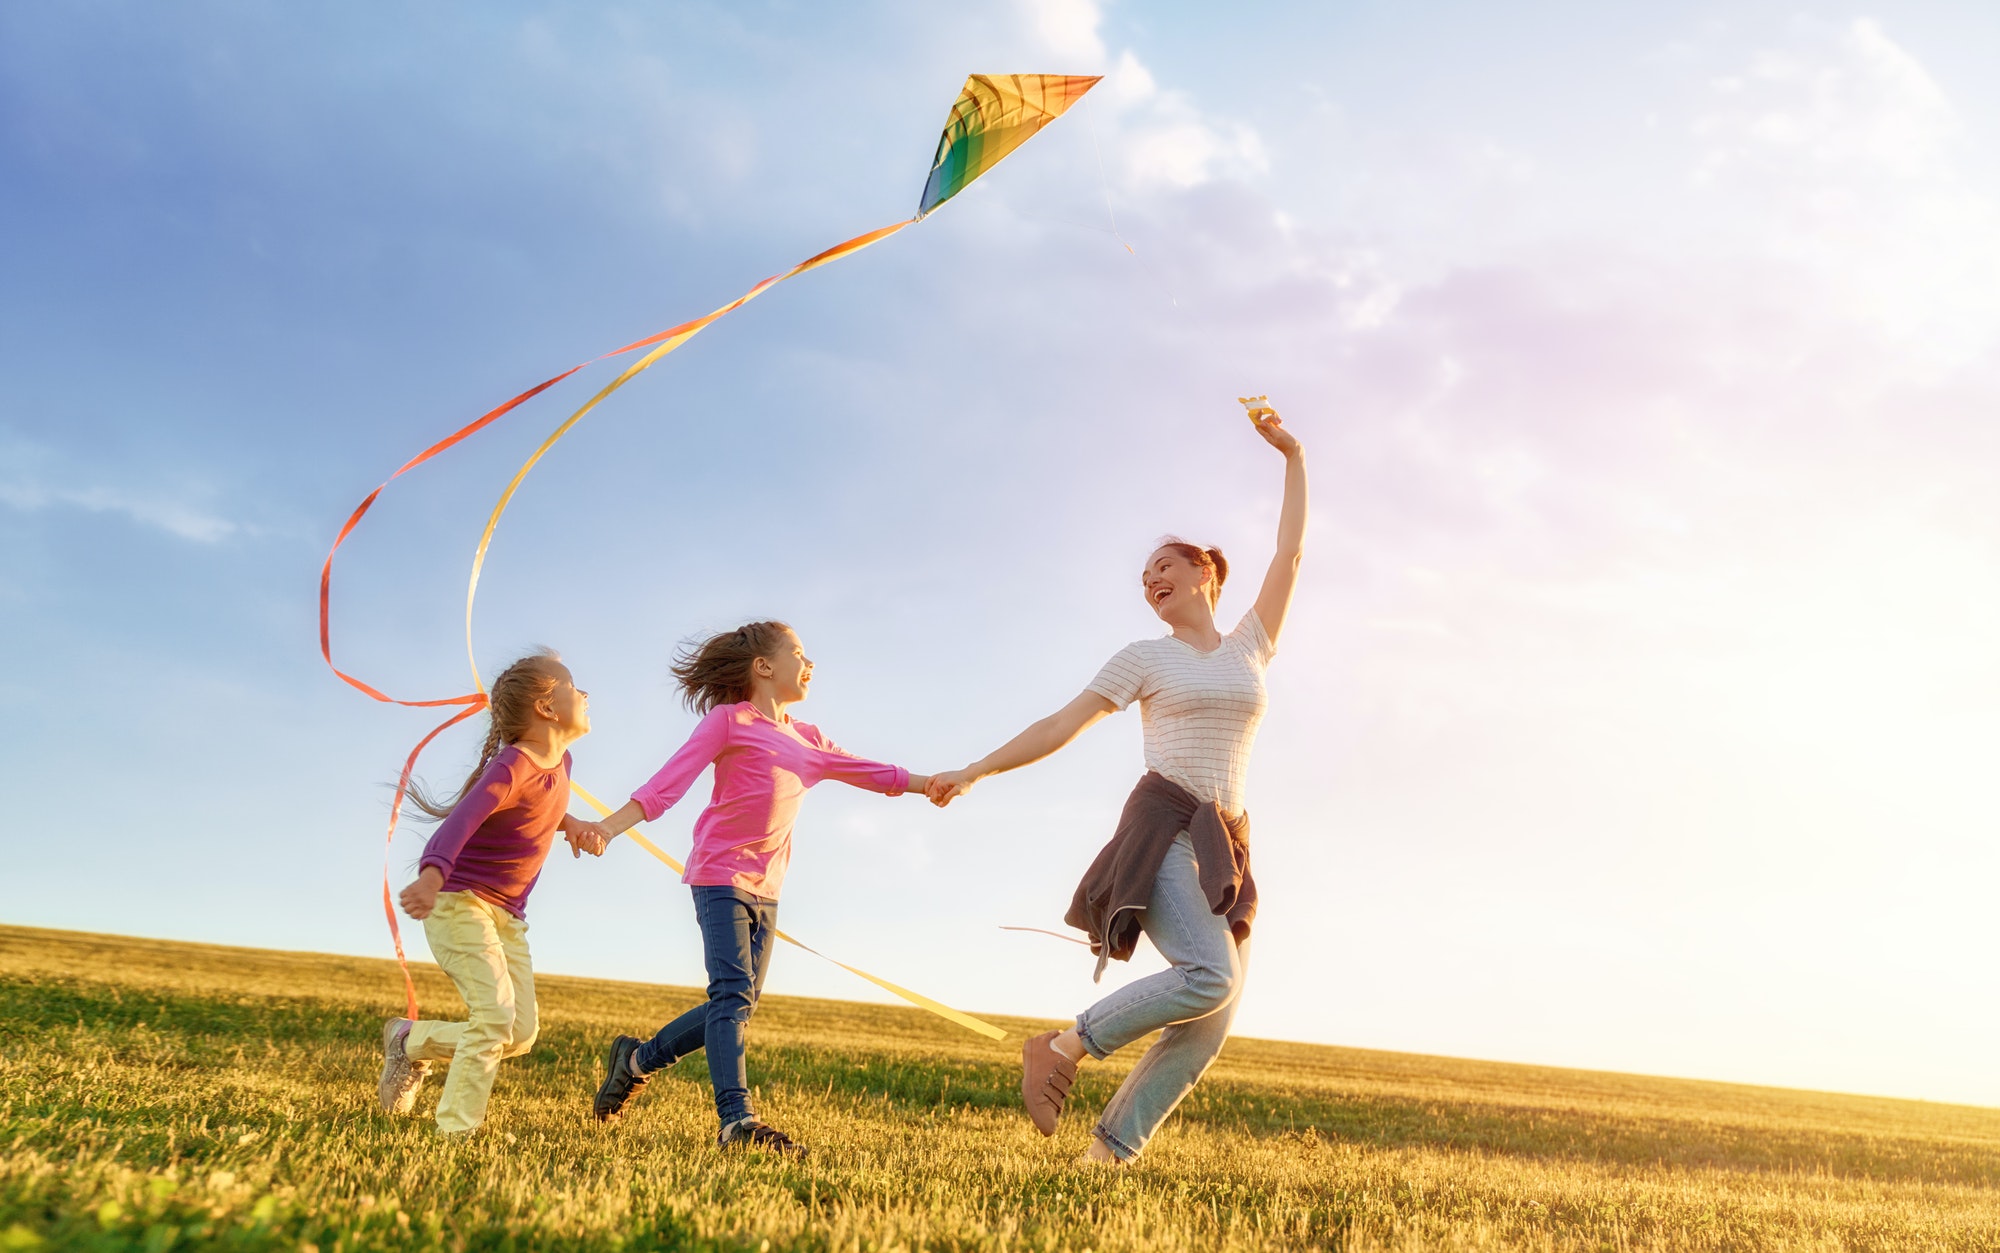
pixel 762 770
pixel 496 838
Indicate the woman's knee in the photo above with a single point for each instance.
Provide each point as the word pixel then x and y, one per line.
pixel 1211 986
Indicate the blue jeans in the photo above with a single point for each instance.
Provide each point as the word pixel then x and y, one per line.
pixel 737 931
pixel 1191 1004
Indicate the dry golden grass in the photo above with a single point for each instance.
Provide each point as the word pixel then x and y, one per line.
pixel 157 1095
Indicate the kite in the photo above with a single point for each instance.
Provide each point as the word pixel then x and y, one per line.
pixel 994 115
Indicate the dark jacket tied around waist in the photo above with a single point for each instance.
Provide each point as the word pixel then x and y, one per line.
pixel 1120 882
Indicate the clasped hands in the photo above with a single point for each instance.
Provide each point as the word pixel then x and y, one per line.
pixel 943 789
pixel 594 838
pixel 586 837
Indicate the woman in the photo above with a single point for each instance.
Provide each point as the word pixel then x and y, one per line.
pixel 1178 867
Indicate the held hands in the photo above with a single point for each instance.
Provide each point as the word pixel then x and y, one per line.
pixel 943 789
pixel 586 837
pixel 1269 425
pixel 420 897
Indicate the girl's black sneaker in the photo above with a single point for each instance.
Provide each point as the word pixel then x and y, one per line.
pixel 619 1081
pixel 756 1134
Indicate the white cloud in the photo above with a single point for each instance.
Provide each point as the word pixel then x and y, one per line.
pixel 1188 151
pixel 27 488
pixel 1068 28
pixel 1165 141
pixel 1129 82
pixel 1856 163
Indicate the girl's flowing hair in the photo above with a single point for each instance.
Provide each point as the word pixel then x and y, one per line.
pixel 1209 559
pixel 510 714
pixel 717 672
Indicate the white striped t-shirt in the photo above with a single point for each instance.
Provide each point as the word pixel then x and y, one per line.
pixel 1200 710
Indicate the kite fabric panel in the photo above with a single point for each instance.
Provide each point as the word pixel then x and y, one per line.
pixel 995 114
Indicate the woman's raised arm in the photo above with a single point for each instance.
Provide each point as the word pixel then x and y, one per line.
pixel 1038 741
pixel 1275 597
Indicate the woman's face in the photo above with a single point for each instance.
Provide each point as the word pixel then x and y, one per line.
pixel 1174 585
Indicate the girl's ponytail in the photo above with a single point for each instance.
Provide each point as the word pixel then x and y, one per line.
pixel 510 712
pixel 717 671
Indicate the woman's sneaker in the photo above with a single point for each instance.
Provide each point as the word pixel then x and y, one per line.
pixel 753 1133
pixel 401 1077
pixel 1046 1076
pixel 619 1081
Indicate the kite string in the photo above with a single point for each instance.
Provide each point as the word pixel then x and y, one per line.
pixel 1103 182
pixel 1104 185
pixel 1045 931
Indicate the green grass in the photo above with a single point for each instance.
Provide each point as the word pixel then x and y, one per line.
pixel 157 1095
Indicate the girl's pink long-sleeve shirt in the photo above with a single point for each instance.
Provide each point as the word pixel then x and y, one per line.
pixel 762 770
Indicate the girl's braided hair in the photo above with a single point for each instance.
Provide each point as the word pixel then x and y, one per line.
pixel 510 714
pixel 717 671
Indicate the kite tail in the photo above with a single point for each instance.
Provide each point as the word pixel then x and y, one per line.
pixel 395 813
pixel 994 115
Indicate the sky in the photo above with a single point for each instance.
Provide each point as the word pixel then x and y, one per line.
pixel 1638 705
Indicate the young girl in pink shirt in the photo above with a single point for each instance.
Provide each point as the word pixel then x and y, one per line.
pixel 740 682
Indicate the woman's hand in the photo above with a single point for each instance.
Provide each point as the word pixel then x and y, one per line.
pixel 1274 599
pixel 1272 428
pixel 420 897
pixel 945 788
pixel 586 837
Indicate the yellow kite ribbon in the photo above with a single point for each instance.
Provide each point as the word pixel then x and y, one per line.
pixel 994 115
pixel 918 999
pixel 673 339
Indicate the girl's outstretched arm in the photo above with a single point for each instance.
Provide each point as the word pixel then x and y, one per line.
pixel 1038 741
pixel 1276 595
pixel 663 789
pixel 874 776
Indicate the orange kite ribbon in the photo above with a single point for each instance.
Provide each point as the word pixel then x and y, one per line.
pixel 668 341
pixel 473 701
pixel 662 343
pixel 993 116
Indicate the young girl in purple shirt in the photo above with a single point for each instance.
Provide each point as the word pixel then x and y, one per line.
pixel 472 891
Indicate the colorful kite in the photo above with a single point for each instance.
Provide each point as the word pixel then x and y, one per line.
pixel 994 115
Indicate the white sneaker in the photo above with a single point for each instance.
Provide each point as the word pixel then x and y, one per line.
pixel 401 1077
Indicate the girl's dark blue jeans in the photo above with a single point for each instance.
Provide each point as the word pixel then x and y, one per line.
pixel 737 931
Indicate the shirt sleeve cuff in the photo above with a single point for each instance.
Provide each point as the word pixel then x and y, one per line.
pixel 649 806
pixel 902 783
pixel 443 866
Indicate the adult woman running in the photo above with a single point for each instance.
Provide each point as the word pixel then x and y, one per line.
pixel 1178 867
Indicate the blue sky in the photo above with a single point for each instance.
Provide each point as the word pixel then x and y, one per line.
pixel 1640 698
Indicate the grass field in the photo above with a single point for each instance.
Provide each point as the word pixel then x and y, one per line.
pixel 157 1095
